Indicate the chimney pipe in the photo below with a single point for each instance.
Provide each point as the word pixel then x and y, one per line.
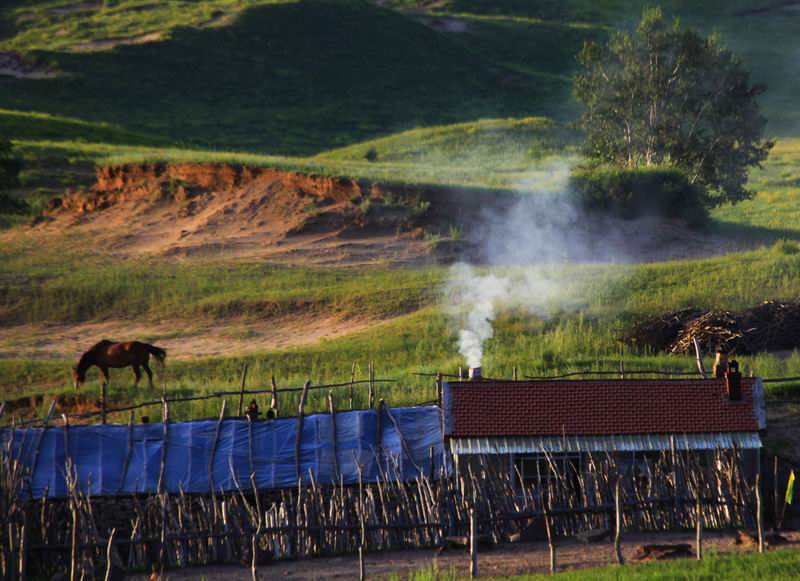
pixel 733 381
pixel 474 373
pixel 720 364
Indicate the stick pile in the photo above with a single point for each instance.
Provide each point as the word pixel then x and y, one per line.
pixel 770 326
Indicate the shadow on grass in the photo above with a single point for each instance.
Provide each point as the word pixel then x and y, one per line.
pixel 750 233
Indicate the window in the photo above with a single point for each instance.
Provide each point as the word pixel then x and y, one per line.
pixel 537 470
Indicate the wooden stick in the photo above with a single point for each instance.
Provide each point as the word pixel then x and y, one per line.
pixel 775 493
pixel 699 357
pixel 352 382
pixel 254 561
pixel 45 421
pixel 103 390
pixel 403 443
pixel 516 374
pixel 23 551
pixel 371 386
pixel 699 521
pixel 618 532
pixel 550 545
pixel 759 514
pixel 299 430
pixel 73 571
pixel 473 544
pixel 127 454
pixel 109 560
pixel 333 437
pixel 164 446
pixel 213 455
pixel 273 404
pixel 379 433
pixel 241 391
pixel 362 545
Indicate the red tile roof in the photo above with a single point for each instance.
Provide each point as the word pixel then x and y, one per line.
pixel 597 407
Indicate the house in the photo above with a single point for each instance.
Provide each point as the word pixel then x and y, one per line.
pixel 520 426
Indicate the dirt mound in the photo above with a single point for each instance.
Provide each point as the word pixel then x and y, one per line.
pixel 109 43
pixel 213 210
pixel 241 212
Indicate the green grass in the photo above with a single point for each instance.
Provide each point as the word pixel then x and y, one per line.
pixel 304 77
pixel 55 25
pixel 774 565
pixel 293 78
pixel 579 332
pixel 775 210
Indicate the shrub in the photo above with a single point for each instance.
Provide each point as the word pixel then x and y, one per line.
pixel 784 246
pixel 371 154
pixel 11 205
pixel 630 193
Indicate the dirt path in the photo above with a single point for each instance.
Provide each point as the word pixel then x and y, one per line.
pixel 184 339
pixel 503 561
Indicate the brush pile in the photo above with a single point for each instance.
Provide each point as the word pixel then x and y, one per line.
pixel 771 326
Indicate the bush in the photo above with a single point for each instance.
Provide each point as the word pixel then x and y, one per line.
pixel 11 205
pixel 630 193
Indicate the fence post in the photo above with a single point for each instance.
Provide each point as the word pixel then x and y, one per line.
pixel 473 544
pixel 775 494
pixel 23 550
pixel 362 545
pixel 109 553
pixel 699 519
pixel 254 560
pixel 299 430
pixel 759 514
pixel 241 391
pixel 103 390
pixel 550 545
pixel 371 385
pixel 274 401
pixel 618 532
pixel 352 381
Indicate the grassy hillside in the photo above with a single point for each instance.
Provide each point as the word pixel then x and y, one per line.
pixel 596 302
pixel 303 77
pixel 475 93
pixel 282 78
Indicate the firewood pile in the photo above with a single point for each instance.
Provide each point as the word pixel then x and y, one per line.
pixel 770 326
pixel 661 331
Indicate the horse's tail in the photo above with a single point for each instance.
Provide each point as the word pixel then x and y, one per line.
pixel 157 352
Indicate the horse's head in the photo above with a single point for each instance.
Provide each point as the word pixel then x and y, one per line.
pixel 78 377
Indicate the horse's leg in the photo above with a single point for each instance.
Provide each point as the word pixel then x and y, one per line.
pixel 138 374
pixel 104 371
pixel 149 373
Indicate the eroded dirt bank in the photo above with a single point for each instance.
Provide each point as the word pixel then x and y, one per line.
pixel 237 212
pixel 186 210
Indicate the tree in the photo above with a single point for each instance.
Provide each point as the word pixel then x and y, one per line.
pixel 665 95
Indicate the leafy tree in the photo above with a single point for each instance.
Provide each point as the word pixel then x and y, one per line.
pixel 665 95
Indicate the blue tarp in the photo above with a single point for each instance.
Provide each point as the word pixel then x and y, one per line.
pixel 99 452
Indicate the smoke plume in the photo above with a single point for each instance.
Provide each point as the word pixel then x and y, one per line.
pixel 541 229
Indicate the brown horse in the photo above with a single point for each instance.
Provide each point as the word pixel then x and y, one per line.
pixel 109 354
